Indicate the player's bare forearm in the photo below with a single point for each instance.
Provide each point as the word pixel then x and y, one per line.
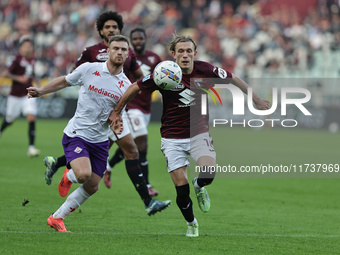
pixel 260 103
pixel 17 78
pixel 53 86
pixel 127 97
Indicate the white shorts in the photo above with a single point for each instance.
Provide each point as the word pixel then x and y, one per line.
pixel 177 151
pixel 126 129
pixel 17 105
pixel 138 122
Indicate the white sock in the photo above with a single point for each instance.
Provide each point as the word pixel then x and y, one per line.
pixel 73 201
pixel 71 176
pixel 193 222
pixel 196 186
pixel 108 167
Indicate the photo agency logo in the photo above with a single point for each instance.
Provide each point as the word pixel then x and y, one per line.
pixel 281 99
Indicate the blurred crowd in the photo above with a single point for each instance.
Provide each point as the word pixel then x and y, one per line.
pixel 239 38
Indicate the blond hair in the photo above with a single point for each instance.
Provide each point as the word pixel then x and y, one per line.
pixel 180 38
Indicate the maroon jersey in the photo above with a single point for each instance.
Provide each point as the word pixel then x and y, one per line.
pixel 98 53
pixel 21 66
pixel 147 63
pixel 176 117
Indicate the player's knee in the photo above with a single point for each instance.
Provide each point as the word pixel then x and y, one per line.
pixel 183 195
pixel 131 153
pixel 83 177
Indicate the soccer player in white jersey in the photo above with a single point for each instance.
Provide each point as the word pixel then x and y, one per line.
pixel 180 137
pixel 85 140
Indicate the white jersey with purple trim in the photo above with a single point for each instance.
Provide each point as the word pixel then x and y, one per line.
pixel 99 93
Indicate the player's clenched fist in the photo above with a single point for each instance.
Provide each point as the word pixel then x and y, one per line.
pixel 33 92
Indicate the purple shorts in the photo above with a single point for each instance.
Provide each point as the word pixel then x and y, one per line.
pixel 75 147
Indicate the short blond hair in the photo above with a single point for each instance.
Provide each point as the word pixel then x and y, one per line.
pixel 180 38
pixel 119 38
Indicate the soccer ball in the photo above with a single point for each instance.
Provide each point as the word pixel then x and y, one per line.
pixel 167 75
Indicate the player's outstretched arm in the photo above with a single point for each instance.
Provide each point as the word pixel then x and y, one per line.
pixel 261 104
pixel 127 96
pixel 55 85
pixel 17 78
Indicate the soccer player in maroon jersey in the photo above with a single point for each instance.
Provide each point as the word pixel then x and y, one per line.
pixel 179 139
pixel 21 71
pixel 138 109
pixel 108 24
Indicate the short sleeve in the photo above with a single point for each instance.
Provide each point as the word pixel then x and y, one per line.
pixel 77 76
pixel 147 83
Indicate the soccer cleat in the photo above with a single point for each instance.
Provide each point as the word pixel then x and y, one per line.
pixel 192 230
pixel 64 184
pixel 107 178
pixel 156 206
pixel 202 198
pixel 152 192
pixel 50 169
pixel 33 152
pixel 57 224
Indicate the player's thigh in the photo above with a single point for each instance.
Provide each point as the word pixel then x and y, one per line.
pixel 81 167
pixel 128 146
pixel 201 147
pixel 176 152
pixel 14 107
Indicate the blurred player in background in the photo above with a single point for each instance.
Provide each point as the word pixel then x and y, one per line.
pixel 85 141
pixel 108 24
pixel 180 137
pixel 138 109
pixel 21 71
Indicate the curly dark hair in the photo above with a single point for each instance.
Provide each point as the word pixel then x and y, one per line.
pixel 109 15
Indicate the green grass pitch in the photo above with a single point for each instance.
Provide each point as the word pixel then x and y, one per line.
pixel 247 216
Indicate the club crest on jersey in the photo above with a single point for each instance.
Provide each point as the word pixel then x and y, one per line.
pixel 198 83
pixel 222 73
pixel 78 150
pixel 102 57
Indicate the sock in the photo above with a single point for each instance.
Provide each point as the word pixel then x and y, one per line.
pixel 31 132
pixel 71 176
pixel 137 178
pixel 4 125
pixel 193 222
pixel 73 201
pixel 119 156
pixel 61 161
pixel 205 177
pixel 144 166
pixel 184 202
